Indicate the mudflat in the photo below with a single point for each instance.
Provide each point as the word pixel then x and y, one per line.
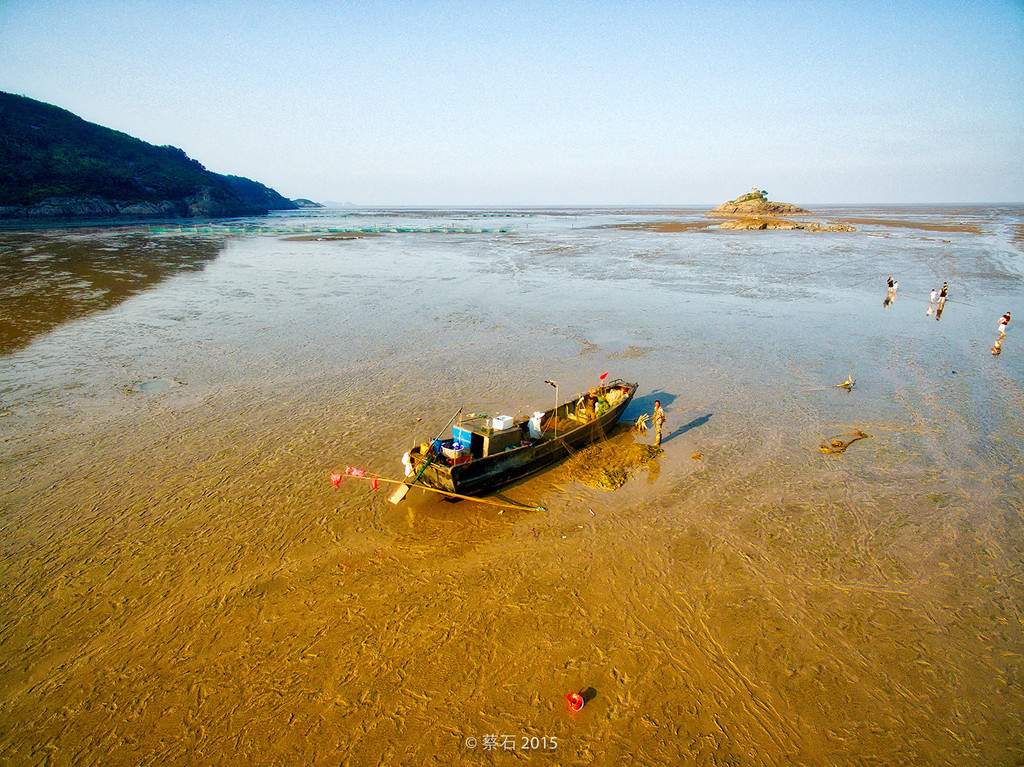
pixel 180 582
pixel 926 226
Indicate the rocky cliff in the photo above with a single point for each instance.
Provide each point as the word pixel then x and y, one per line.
pixel 199 205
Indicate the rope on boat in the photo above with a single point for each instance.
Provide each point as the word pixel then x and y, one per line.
pixel 360 474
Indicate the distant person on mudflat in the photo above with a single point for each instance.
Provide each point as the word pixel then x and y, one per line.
pixel 1003 322
pixel 942 300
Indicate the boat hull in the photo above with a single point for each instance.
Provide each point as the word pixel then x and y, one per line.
pixel 487 474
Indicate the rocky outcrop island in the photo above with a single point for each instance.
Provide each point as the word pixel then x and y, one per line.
pixel 755 211
pixel 55 165
pixel 755 204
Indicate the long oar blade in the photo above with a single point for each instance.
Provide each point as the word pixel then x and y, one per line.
pixel 399 494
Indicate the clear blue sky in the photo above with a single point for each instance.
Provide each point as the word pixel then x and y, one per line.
pixel 540 103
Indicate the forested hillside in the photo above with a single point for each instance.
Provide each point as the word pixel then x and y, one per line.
pixel 55 164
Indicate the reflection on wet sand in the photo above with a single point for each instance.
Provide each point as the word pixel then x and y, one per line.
pixel 997 347
pixel 50 277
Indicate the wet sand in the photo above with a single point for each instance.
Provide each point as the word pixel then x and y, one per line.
pixel 925 226
pixel 669 226
pixel 328 237
pixel 181 583
pixel 52 277
pixel 691 226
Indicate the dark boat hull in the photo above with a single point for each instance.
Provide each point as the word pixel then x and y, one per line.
pixel 484 475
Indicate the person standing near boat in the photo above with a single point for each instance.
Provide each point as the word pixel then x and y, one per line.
pixel 1003 322
pixel 659 418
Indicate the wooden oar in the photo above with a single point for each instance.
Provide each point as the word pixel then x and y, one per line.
pixel 516 506
pixel 398 496
pixel 403 490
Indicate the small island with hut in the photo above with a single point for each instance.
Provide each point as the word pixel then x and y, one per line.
pixel 755 211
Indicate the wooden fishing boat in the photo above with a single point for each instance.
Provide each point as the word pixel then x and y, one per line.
pixel 485 453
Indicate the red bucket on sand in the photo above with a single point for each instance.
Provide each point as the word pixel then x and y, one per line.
pixel 575 701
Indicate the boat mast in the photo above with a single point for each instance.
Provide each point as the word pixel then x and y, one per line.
pixel 555 411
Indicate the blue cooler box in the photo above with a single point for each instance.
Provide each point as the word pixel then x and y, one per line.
pixel 475 442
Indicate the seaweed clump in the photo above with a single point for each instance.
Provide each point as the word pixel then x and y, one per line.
pixel 839 443
pixel 607 466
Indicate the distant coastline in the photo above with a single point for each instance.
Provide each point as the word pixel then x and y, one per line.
pixel 753 216
pixel 55 166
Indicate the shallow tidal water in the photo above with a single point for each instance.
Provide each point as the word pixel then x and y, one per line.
pixel 180 582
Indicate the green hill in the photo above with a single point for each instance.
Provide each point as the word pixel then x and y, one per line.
pixel 254 192
pixel 54 164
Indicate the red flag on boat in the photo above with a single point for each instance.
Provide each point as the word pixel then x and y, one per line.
pixel 604 376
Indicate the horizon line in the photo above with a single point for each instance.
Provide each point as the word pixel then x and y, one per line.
pixel 564 205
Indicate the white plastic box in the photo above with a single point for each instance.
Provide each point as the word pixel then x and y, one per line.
pixel 501 423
